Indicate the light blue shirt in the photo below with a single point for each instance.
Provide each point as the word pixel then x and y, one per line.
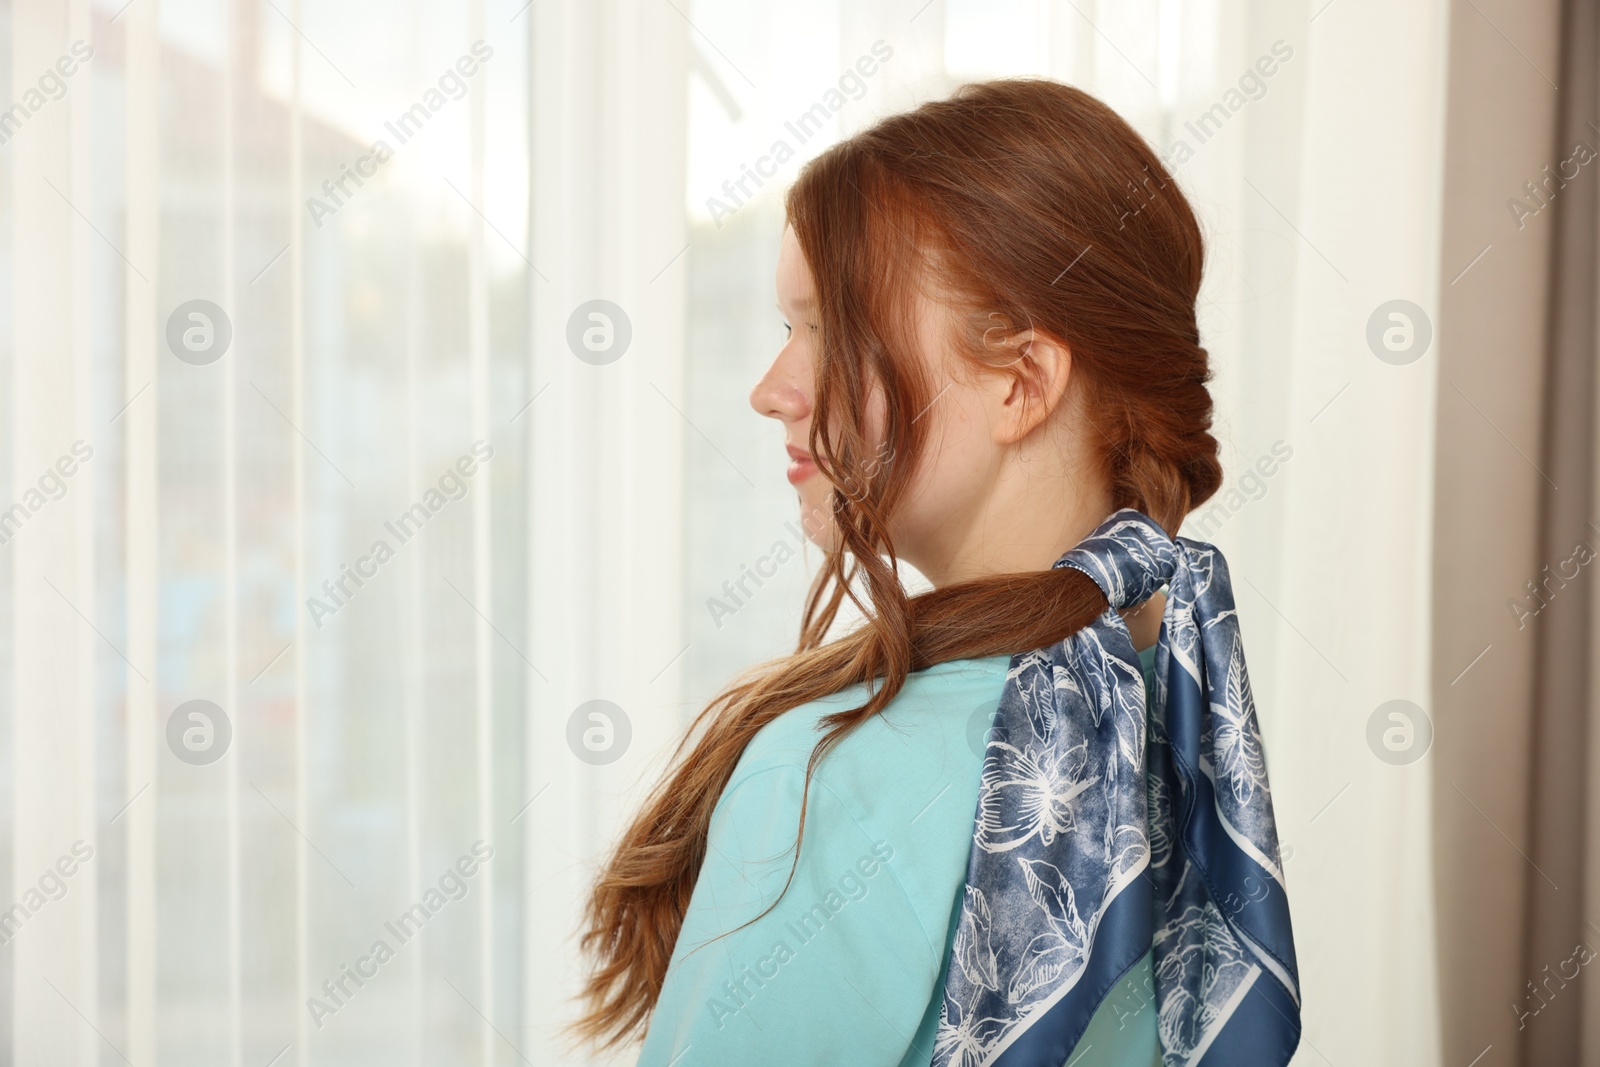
pixel 848 968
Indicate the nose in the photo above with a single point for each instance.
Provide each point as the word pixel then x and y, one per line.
pixel 784 392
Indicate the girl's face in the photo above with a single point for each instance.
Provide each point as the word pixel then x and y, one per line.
pixel 961 459
pixel 785 391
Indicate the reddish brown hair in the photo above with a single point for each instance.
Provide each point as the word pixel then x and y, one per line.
pixel 1023 204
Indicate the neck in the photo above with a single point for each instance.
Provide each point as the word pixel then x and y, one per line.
pixel 1024 523
pixel 1029 514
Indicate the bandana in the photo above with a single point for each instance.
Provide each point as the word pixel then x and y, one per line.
pixel 1094 845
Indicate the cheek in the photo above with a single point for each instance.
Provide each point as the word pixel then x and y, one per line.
pixel 955 471
pixel 958 459
pixel 875 418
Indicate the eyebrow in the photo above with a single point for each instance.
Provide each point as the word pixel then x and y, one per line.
pixel 804 305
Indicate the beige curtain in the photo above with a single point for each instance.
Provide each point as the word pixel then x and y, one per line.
pixel 1516 532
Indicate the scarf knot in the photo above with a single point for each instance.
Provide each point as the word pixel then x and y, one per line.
pixel 1128 556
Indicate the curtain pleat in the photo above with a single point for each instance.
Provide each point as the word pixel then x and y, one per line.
pixel 1559 933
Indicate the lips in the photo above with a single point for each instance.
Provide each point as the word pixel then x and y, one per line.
pixel 801 465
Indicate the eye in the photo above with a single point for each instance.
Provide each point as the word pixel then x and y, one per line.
pixel 788 331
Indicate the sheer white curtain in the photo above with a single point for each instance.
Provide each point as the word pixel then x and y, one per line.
pixel 606 447
pixel 515 347
pixel 265 508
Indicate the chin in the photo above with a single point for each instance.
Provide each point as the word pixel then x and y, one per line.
pixel 816 519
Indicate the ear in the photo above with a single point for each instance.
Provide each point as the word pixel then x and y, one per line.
pixel 1034 385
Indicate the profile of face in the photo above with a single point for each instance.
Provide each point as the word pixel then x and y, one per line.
pixel 785 391
pixel 982 424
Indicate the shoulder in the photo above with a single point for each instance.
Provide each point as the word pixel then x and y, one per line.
pixel 904 782
pixel 931 733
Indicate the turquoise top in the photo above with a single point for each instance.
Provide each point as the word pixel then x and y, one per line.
pixel 849 967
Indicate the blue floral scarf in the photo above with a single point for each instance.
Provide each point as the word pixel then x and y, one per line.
pixel 1094 844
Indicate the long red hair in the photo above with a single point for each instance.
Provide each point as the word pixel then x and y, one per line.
pixel 1031 205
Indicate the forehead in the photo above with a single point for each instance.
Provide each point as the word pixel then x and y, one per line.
pixel 796 289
